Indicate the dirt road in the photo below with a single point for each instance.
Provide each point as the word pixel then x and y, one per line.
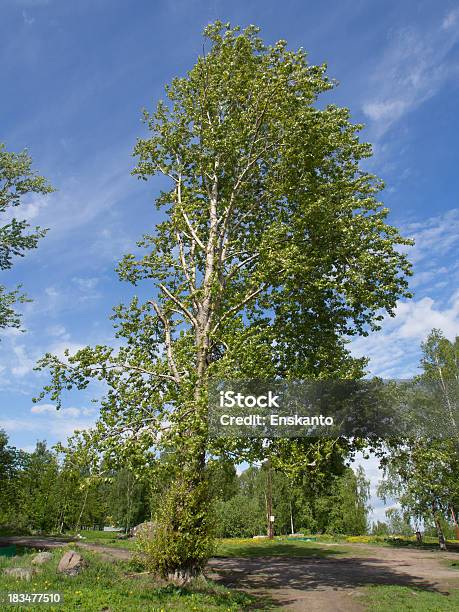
pixel 335 584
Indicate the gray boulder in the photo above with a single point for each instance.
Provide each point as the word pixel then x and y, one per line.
pixel 71 563
pixel 22 573
pixel 146 529
pixel 41 558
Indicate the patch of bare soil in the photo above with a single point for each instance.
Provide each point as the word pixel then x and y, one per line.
pixel 334 584
pixel 108 553
pixel 44 542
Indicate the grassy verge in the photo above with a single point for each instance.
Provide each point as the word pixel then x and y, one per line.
pixel 117 587
pixel 384 598
pixel 277 547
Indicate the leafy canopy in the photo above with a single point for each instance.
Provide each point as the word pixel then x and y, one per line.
pixel 273 247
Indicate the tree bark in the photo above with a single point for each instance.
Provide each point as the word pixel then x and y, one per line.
pixel 441 536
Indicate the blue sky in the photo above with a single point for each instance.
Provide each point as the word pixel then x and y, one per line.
pixel 75 76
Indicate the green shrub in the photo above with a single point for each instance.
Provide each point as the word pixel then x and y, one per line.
pixel 183 539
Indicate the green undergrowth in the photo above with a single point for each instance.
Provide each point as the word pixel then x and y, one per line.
pixel 118 586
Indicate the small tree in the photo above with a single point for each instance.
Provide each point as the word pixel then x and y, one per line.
pixel 272 248
pixel 17 180
pixel 421 472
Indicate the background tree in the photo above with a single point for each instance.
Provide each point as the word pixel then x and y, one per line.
pixel 421 471
pixel 17 180
pixel 39 490
pixel 346 507
pixel 273 248
pixel 56 490
pixel 340 507
pixel 11 462
pixel 128 499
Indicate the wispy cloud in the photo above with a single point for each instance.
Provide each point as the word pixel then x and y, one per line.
pixel 23 364
pixel 63 413
pixel 395 350
pixel 450 20
pixel 49 423
pixel 413 68
pixel 434 237
pixel 28 20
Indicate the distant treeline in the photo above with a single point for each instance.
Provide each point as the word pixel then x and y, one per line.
pixel 45 491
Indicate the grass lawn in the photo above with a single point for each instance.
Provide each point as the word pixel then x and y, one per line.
pixel 385 598
pixel 117 587
pixel 277 547
pixel 322 546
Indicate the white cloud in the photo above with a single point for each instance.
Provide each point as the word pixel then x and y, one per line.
pixel 11 425
pixel 32 206
pixel 28 20
pixel 394 351
pixel 87 288
pixel 50 409
pixel 86 284
pixel 450 19
pixel 58 331
pixel 434 238
pixel 24 364
pixel 374 474
pixel 18 359
pixel 63 422
pixel 59 348
pixel 48 422
pixel 63 429
pixel 413 68
pixel 416 318
pixel 52 292
pixel 385 111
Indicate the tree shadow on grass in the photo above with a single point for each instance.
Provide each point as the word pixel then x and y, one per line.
pixel 224 598
pixel 453 547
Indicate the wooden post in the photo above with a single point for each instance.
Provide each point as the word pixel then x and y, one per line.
pixel 269 500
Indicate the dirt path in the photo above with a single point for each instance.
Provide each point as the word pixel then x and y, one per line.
pixel 109 553
pixel 36 541
pixel 312 584
pixel 334 584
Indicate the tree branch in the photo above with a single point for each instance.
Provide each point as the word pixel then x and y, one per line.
pixel 185 216
pixel 183 309
pixel 168 340
pixel 238 307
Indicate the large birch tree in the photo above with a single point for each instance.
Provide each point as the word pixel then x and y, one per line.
pixel 272 250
